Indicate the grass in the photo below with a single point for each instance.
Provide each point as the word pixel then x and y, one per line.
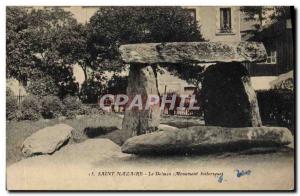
pixel 85 127
pixel 17 132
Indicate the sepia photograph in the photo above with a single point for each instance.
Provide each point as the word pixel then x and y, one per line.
pixel 150 98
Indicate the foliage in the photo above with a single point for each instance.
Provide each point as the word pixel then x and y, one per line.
pixel 192 73
pixel 11 105
pixel 117 84
pixel 278 106
pixel 90 109
pixel 286 85
pixel 261 13
pixel 72 106
pixel 18 54
pixel 51 107
pixel 30 108
pixel 9 92
pixel 91 90
pixel 140 25
pixel 17 132
pixel 44 42
pixel 43 86
pixel 111 27
pixel 255 13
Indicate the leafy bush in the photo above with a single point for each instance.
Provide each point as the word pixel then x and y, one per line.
pixel 30 108
pixel 90 91
pixel 72 106
pixel 92 109
pixel 112 26
pixel 84 110
pixel 11 105
pixel 47 85
pixel 51 107
pixel 117 84
pixel 277 106
pixel 43 86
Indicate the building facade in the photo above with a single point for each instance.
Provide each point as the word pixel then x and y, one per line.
pixel 218 23
pixel 279 43
pixel 278 39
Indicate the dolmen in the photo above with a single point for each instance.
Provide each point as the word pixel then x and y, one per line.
pixel 231 112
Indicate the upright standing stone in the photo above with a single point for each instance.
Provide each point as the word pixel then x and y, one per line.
pixel 141 81
pixel 228 98
pixel 254 109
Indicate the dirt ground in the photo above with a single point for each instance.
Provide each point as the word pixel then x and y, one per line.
pixel 98 164
pixel 17 132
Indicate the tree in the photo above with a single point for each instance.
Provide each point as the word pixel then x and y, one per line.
pixel 111 27
pixel 43 43
pixel 91 89
pixel 42 87
pixel 19 57
pixel 192 73
pixel 261 13
pixel 117 84
pixel 255 13
pixel 78 48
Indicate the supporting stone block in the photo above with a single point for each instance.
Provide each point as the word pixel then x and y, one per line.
pixel 141 81
pixel 228 97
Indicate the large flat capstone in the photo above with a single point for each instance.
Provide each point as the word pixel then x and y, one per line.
pixel 46 140
pixel 207 139
pixel 201 52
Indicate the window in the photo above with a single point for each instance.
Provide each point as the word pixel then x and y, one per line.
pixel 271 58
pixel 225 20
pixel 289 24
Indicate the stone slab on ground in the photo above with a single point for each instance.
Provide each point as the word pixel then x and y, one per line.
pixel 207 139
pixel 47 140
pixel 88 165
pixel 181 121
pixel 163 127
pixel 201 52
